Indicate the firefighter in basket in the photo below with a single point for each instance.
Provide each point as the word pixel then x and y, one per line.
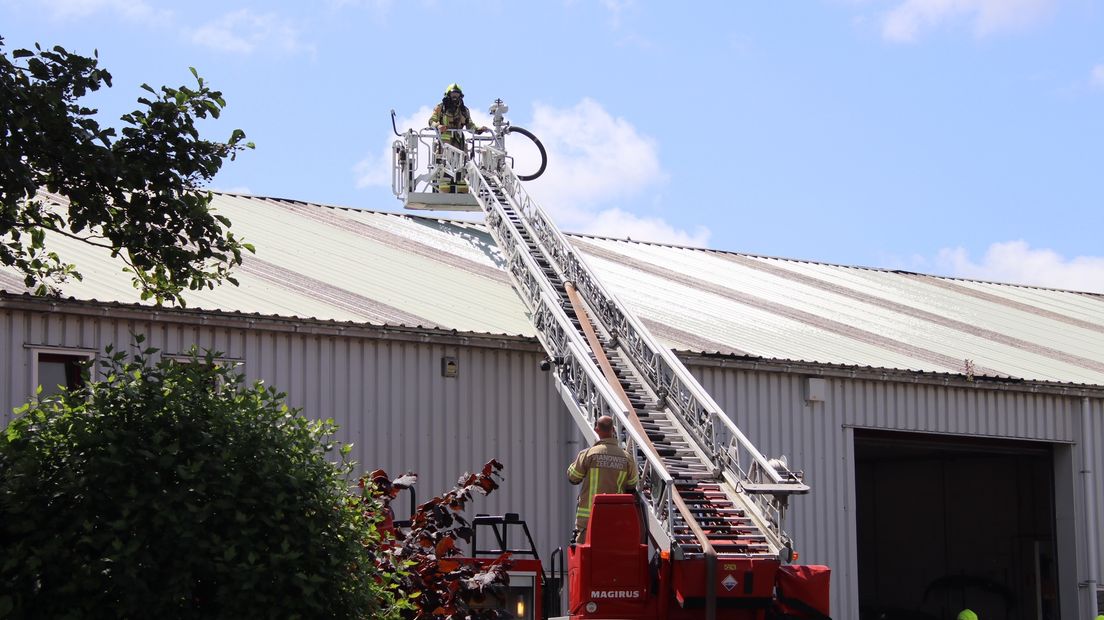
pixel 451 117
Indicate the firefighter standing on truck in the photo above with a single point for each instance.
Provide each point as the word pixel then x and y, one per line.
pixel 602 468
pixel 451 117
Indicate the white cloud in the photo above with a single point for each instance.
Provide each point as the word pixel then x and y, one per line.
pixel 616 8
pixel 236 189
pixel 375 170
pixel 909 19
pixel 378 8
pixel 377 11
pixel 618 223
pixel 244 32
pixel 596 162
pixel 1096 76
pixel 1016 262
pixel 593 156
pixel 375 5
pixel 596 159
pixel 131 10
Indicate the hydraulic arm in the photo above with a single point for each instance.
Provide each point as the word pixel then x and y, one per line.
pixel 714 505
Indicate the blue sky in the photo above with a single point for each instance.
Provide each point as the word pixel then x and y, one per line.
pixel 956 137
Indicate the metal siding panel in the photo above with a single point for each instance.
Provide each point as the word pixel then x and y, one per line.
pixel 443 397
pixel 400 414
pixel 326 383
pixel 1092 438
pixel 454 425
pixel 388 396
pixel 11 374
pixel 955 410
pixel 817 437
pixel 1095 439
pixel 7 369
pixel 381 408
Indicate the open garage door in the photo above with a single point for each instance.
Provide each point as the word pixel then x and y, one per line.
pixel 950 522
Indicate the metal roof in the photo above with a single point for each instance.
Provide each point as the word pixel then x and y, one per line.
pixel 330 263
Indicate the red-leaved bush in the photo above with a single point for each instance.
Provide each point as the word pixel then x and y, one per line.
pixel 425 555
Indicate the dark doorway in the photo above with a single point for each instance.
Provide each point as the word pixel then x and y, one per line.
pixel 946 523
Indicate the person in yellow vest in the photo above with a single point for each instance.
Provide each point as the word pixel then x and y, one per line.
pixel 451 117
pixel 602 468
pixel 967 614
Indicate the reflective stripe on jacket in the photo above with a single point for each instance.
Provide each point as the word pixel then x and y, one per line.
pixel 457 119
pixel 601 468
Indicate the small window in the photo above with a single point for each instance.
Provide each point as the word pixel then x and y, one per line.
pixel 57 371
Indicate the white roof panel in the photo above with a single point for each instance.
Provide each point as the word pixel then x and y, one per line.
pixel 329 263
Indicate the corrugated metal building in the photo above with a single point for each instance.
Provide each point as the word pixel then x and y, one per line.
pixel 952 431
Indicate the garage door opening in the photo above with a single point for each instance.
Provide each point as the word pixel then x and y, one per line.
pixel 946 523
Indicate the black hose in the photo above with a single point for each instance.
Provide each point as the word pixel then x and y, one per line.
pixel 540 147
pixel 393 127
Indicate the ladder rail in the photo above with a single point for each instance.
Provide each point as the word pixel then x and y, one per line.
pixel 697 441
pixel 584 389
pixel 667 502
pixel 759 480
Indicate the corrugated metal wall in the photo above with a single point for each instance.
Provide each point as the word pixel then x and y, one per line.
pixel 818 437
pixel 388 396
pixel 1088 521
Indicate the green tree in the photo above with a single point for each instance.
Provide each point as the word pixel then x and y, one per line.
pixel 175 490
pixel 138 195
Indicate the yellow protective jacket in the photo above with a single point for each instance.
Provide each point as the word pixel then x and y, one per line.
pixel 460 118
pixel 602 468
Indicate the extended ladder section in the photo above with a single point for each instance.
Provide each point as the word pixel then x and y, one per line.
pixel 709 491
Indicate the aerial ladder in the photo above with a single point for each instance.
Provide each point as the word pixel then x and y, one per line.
pixel 704 536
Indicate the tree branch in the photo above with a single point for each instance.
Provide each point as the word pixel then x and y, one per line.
pixel 60 231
